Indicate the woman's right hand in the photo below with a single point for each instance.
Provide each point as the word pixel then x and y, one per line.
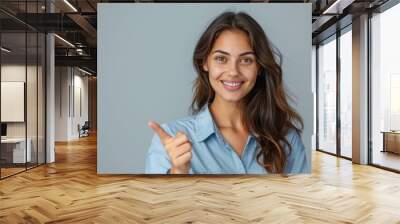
pixel 179 149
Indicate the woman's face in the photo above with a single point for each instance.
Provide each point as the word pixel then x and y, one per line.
pixel 232 66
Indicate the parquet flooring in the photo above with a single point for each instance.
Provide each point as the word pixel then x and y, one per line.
pixel 70 191
pixel 10 171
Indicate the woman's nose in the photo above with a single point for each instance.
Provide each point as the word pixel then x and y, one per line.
pixel 233 68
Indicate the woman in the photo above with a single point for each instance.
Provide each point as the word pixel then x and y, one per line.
pixel 241 122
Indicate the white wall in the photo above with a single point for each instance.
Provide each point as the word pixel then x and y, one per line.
pixel 80 83
pixel 69 84
pixel 62 81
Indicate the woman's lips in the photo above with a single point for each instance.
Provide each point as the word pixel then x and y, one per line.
pixel 232 85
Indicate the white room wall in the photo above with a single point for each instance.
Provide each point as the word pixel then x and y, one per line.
pixel 62 81
pixel 67 114
pixel 79 117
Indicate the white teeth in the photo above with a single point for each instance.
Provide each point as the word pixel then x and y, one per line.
pixel 232 83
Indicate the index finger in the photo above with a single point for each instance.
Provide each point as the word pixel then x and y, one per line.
pixel 164 136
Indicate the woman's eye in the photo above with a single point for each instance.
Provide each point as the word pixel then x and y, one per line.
pixel 247 60
pixel 220 59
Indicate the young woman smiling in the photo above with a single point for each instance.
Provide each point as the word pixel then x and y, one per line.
pixel 241 122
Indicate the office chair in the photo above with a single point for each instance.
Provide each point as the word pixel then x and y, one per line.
pixel 84 130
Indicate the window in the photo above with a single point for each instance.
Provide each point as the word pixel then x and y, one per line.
pixel 327 95
pixel 385 89
pixel 346 92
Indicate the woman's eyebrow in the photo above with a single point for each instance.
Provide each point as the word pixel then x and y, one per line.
pixel 249 52
pixel 224 52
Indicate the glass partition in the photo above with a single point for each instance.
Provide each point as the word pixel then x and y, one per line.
pixel 14 153
pixel 22 77
pixel 41 87
pixel 32 95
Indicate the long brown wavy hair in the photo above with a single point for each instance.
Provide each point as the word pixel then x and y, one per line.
pixel 267 113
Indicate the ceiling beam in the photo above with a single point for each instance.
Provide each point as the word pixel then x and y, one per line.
pixel 83 61
pixel 86 26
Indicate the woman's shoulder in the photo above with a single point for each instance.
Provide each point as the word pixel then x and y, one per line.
pixel 295 140
pixel 298 159
pixel 293 135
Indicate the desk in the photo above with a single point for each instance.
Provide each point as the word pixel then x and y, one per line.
pixel 16 151
pixel 391 141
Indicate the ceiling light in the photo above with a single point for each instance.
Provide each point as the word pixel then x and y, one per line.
pixel 65 41
pixel 5 50
pixel 338 6
pixel 331 7
pixel 84 71
pixel 70 5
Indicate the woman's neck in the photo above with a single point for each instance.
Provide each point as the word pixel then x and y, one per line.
pixel 227 115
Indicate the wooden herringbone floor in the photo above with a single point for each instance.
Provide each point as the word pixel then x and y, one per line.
pixel 70 191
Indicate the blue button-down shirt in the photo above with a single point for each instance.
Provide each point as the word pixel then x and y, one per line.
pixel 211 154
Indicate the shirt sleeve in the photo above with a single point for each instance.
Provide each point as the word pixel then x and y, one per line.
pixel 157 161
pixel 297 160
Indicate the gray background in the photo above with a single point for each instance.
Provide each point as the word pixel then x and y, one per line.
pixel 145 69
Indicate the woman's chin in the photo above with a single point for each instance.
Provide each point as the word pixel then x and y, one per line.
pixel 232 99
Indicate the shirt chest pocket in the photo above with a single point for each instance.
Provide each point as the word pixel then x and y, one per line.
pixel 206 159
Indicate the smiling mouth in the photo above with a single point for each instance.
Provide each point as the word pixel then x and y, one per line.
pixel 232 86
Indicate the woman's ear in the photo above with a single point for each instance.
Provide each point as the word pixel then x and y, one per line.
pixel 205 66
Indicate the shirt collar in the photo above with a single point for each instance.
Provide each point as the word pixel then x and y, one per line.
pixel 204 124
